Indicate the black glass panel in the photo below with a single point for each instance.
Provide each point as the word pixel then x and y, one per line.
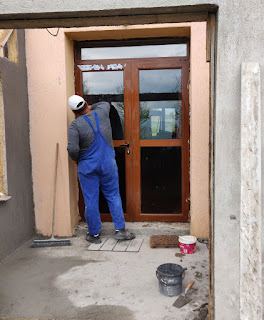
pixel 149 51
pixel 161 180
pixel 120 160
pixel 107 86
pixel 160 95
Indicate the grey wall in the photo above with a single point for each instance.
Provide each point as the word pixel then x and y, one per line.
pixel 240 39
pixel 16 214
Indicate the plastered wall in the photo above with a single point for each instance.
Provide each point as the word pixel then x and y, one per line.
pixel 199 127
pixel 17 213
pixel 47 93
pixel 53 83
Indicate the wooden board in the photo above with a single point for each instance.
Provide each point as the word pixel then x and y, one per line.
pixel 96 247
pixel 121 246
pixel 164 241
pixel 110 244
pixel 134 245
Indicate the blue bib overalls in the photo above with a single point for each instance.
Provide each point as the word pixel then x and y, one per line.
pixel 97 169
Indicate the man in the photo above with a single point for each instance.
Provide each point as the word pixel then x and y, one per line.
pixel 91 146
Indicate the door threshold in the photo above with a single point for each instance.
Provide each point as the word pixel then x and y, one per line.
pixel 141 228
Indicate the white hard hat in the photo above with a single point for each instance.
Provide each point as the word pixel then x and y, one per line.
pixel 76 102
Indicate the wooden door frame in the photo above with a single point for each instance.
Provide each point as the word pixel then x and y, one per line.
pixel 133 204
pixel 150 64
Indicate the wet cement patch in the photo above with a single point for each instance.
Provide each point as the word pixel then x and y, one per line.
pixel 27 289
pixel 104 312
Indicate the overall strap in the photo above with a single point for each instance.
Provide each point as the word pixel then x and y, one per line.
pixel 89 122
pixel 97 121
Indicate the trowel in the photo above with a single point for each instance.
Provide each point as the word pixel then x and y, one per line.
pixel 183 299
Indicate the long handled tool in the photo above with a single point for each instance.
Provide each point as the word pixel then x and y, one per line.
pixel 182 299
pixel 52 242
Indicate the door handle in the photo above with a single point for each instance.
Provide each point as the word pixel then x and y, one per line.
pixel 124 145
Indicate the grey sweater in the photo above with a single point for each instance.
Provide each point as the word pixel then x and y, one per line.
pixel 81 134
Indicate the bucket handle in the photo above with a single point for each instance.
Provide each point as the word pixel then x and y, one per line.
pixel 157 275
pixel 183 274
pixel 161 280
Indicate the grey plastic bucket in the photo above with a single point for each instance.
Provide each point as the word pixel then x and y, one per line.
pixel 170 276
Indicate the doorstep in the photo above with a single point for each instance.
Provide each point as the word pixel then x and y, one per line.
pixel 141 228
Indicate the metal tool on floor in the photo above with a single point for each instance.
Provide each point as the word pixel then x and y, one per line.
pixel 52 242
pixel 183 299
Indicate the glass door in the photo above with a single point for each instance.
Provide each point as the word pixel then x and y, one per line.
pixel 111 82
pixel 149 96
pixel 161 144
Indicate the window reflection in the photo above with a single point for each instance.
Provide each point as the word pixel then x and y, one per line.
pixel 160 81
pixel 160 104
pixel 149 51
pixel 103 82
pixel 160 120
pixel 107 86
pixel 116 116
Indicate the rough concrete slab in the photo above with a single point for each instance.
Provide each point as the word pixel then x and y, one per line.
pixel 74 283
pixel 141 228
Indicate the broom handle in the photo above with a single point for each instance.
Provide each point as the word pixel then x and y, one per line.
pixel 54 193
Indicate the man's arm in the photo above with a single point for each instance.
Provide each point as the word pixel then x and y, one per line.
pixel 73 142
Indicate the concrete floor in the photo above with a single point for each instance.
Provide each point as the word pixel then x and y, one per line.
pixel 74 283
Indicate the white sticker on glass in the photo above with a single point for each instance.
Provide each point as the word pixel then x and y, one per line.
pixel 97 67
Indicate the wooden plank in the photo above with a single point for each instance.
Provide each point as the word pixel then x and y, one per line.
pixel 17 21
pixel 122 245
pixel 96 247
pixel 134 245
pixel 4 36
pixel 109 245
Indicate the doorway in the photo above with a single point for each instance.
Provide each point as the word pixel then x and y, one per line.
pixel 147 87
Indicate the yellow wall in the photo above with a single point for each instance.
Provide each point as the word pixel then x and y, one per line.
pixel 199 126
pixel 51 82
pixel 47 93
